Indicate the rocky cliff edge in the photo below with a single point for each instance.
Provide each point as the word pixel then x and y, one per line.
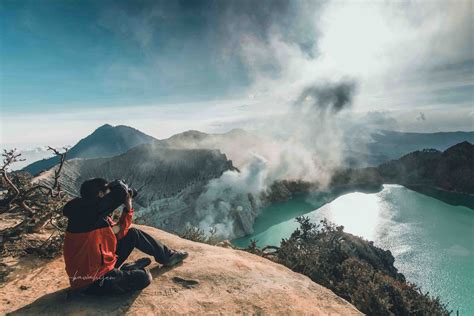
pixel 212 280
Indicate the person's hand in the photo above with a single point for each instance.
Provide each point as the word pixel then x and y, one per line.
pixel 128 202
pixel 116 229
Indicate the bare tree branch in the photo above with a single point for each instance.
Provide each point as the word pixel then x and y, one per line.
pixel 10 157
pixel 37 201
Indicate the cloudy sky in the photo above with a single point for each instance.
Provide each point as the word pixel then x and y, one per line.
pixel 67 67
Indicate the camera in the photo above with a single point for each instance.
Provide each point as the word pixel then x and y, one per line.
pixel 119 190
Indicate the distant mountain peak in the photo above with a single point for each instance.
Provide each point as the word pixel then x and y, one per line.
pixel 105 126
pixel 105 141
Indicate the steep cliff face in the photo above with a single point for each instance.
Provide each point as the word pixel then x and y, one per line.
pixel 156 172
pixel 212 280
pixel 171 183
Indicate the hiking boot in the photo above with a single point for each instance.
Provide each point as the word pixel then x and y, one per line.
pixel 139 264
pixel 176 258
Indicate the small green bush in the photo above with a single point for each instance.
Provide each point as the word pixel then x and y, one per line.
pixel 196 234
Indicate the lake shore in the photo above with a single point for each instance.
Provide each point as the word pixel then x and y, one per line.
pixel 418 229
pixel 449 197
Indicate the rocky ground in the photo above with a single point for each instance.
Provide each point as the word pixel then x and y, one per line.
pixel 213 280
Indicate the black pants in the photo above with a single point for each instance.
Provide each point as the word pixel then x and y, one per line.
pixel 136 238
pixel 119 281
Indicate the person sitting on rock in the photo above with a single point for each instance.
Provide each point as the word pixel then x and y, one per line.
pixel 95 247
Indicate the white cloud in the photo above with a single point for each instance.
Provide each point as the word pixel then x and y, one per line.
pixel 405 56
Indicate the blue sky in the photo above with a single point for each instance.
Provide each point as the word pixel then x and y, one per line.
pixel 80 54
pixel 67 67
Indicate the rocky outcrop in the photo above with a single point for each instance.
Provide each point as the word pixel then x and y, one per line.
pixel 342 181
pixel 213 280
pixel 285 189
pixel 349 180
pixel 353 268
pixel 381 260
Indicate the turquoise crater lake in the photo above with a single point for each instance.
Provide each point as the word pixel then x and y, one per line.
pixel 432 242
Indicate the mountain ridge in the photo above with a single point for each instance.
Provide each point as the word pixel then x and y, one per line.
pixel 381 146
pixel 451 170
pixel 169 180
pixel 446 176
pixel 105 141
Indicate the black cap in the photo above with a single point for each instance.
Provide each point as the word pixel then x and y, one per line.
pixel 91 188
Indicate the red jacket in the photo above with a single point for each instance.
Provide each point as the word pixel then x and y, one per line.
pixel 90 243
